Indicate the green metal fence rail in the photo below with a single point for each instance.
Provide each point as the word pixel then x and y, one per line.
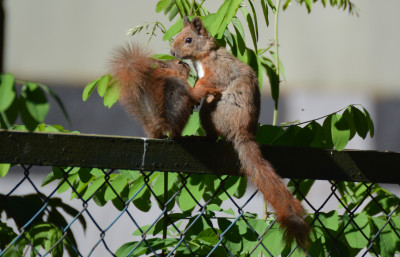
pixel 77 162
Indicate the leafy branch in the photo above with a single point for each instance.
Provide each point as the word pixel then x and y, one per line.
pixel 150 29
pixel 340 4
pixel 31 103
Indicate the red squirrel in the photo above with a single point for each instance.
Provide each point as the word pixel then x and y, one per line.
pixel 234 116
pixel 156 92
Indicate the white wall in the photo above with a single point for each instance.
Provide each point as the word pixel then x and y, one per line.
pixel 69 42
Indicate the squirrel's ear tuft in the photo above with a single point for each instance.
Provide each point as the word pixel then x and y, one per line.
pixel 186 21
pixel 197 25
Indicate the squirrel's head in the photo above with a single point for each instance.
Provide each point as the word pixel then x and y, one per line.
pixel 193 42
pixel 182 67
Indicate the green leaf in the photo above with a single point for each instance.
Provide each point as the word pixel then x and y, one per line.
pixel 98 197
pixel 327 132
pixel 118 184
pixel 304 187
pixel 352 233
pixel 64 186
pixel 103 84
pixel 320 139
pixel 164 57
pixel 180 7
pixel 233 237
pixel 386 237
pixel 97 172
pixel 125 249
pixel 89 89
pixel 112 94
pixel 208 236
pixel 273 79
pixel 370 122
pixel 142 198
pixel 347 114
pixel 138 187
pixel 241 190
pixel 158 182
pixel 316 249
pixel 53 236
pixel 131 175
pixel 193 125
pixel 6 235
pixel 93 187
pixel 79 189
pixel 264 7
pixel 161 5
pixel 340 130
pixel 396 223
pixel 255 19
pixel 231 185
pixel 143 249
pixel 281 67
pixel 58 173
pixel 173 30
pixel 186 6
pixel 305 136
pixel 7 91
pixel 118 203
pixel 286 4
pixel 360 122
pixel 196 187
pixel 58 100
pixel 4 168
pixel 35 101
pixel 288 136
pixel 271 5
pixel 266 134
pixel 84 174
pixel 223 17
pixel 213 207
pixel 9 116
pixel 72 171
pixel 28 120
pixel 383 201
pixel 240 46
pixel 309 5
pixel 274 240
pixel 137 232
pixel 173 12
pixel 159 190
pixel 254 62
pixel 330 220
pixel 250 25
pixel 48 179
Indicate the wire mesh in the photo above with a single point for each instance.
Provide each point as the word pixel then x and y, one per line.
pixel 72 211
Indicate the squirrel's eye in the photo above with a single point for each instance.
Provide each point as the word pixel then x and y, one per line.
pixel 188 40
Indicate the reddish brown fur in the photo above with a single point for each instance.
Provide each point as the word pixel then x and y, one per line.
pixel 156 92
pixel 235 116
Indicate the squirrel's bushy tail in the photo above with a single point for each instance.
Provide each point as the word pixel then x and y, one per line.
pixel 132 67
pixel 290 213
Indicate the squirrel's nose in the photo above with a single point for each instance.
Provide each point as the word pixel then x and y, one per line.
pixel 172 52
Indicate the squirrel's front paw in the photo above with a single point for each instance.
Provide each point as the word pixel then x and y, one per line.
pixel 210 98
pixel 214 95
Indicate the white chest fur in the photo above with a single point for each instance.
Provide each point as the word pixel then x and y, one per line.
pixel 199 69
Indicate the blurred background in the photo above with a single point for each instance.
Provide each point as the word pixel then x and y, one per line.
pixel 332 59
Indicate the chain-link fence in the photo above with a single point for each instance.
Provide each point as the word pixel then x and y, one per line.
pixel 60 209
